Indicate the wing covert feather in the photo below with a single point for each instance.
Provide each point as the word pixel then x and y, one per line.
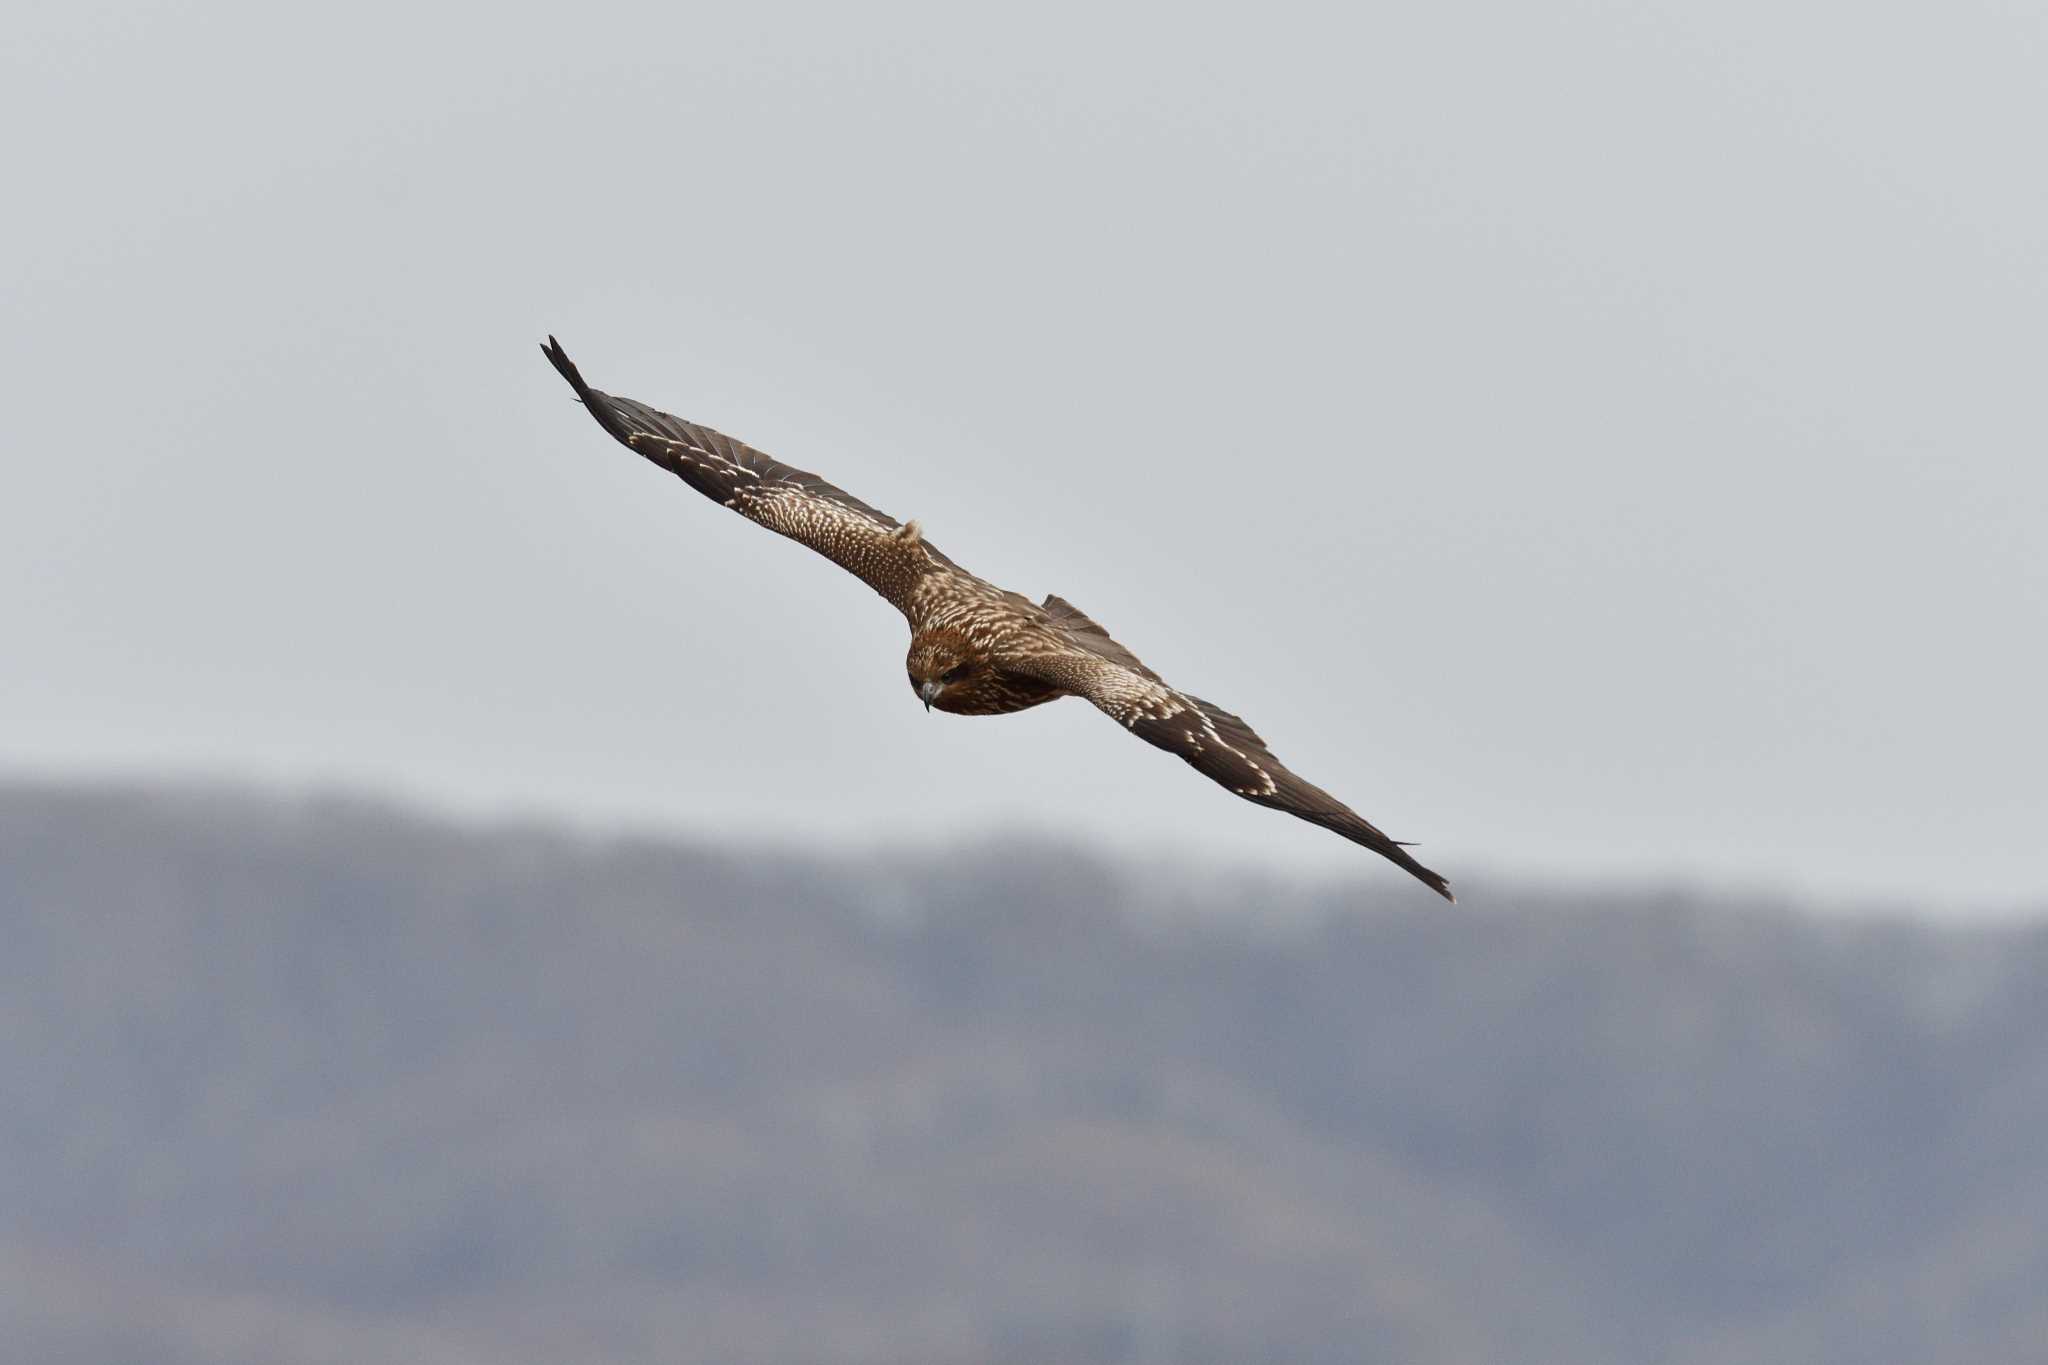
pixel 889 557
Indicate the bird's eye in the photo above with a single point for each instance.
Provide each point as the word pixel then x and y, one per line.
pixel 954 675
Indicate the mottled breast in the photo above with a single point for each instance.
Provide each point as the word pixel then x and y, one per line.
pixel 996 693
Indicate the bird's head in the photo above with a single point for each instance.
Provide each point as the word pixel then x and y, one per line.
pixel 944 666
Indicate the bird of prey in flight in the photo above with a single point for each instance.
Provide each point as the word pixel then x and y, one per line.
pixel 975 649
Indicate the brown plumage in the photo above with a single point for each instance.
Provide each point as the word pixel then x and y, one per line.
pixel 975 649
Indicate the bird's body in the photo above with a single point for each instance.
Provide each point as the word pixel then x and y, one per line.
pixel 976 649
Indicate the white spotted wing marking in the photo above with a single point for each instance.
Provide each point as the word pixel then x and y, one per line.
pixel 1211 740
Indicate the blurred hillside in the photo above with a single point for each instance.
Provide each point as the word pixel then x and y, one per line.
pixel 328 1082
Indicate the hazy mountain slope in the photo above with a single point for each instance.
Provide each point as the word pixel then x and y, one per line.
pixel 326 1081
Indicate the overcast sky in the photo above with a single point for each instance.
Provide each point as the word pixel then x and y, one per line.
pixel 1592 439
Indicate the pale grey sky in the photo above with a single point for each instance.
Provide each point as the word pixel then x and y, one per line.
pixel 1592 439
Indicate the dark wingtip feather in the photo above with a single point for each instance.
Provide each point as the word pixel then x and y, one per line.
pixel 566 367
pixel 1399 857
pixel 1394 851
pixel 600 406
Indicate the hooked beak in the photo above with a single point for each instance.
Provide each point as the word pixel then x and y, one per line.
pixel 930 691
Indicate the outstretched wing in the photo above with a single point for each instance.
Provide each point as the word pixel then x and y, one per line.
pixel 1212 741
pixel 871 545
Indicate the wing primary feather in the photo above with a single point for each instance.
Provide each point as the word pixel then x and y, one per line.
pixel 1232 755
pixel 789 501
pixel 599 405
